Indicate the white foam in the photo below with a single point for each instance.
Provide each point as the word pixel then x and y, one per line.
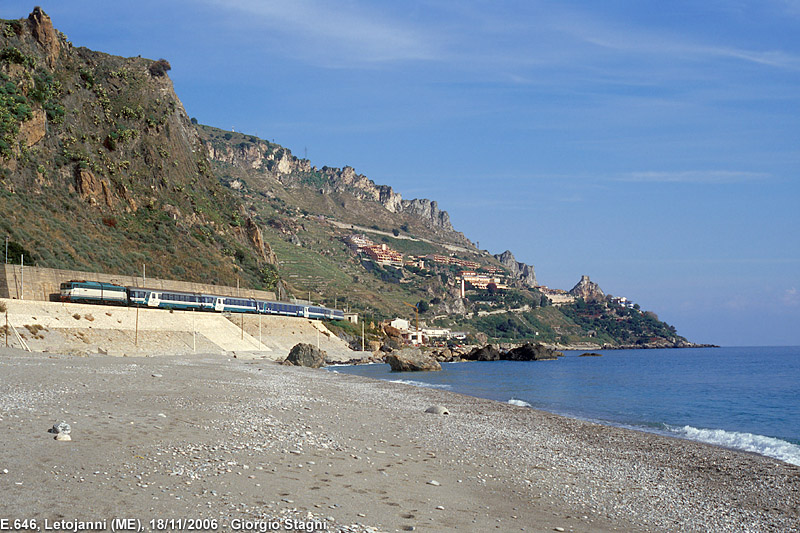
pixel 521 403
pixel 769 446
pixel 420 384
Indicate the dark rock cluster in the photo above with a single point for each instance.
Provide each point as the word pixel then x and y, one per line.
pixel 305 355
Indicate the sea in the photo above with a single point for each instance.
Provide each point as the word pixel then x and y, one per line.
pixel 745 398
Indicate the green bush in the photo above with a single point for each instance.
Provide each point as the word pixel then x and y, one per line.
pixel 14 55
pixel 160 68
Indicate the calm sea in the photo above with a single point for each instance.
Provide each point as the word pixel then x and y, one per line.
pixel 745 398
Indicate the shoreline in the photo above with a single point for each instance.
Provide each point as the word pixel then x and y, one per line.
pixel 713 435
pixel 211 437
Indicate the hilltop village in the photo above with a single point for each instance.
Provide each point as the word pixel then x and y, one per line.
pixel 470 276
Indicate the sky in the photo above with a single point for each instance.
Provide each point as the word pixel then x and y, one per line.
pixel 654 146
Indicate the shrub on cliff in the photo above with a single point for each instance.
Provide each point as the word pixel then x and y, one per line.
pixel 160 68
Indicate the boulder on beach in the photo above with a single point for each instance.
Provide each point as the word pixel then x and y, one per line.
pixel 532 352
pixel 485 353
pixel 306 355
pixel 411 360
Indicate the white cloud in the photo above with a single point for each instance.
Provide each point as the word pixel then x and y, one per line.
pixel 336 33
pixel 791 297
pixel 718 177
pixel 659 43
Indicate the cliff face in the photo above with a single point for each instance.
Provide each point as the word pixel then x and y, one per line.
pixel 522 273
pixel 101 168
pixel 262 159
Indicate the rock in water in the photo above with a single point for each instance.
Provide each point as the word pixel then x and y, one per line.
pixel 486 353
pixel 532 352
pixel 590 354
pixel 306 355
pixel 411 360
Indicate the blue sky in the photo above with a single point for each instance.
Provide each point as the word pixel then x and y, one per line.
pixel 653 146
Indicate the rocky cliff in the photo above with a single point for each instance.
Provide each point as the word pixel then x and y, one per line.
pixel 263 159
pixel 588 290
pixel 102 169
pixel 520 272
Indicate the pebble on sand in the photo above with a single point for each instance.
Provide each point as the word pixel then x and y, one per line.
pixel 61 427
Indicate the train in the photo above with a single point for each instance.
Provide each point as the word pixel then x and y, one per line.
pixel 96 292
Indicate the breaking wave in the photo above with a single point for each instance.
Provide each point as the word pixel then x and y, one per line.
pixel 769 446
pixel 421 384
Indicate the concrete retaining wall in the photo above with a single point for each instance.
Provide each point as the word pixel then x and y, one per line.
pixel 85 329
pixel 43 284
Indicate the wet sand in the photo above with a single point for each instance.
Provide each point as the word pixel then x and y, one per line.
pixel 208 437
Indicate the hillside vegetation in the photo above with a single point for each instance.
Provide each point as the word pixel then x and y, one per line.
pixel 102 169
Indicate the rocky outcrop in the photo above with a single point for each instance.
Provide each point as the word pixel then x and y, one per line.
pixel 532 352
pixel 520 272
pixel 262 248
pixel 428 212
pixel 305 355
pixel 32 131
pixel 42 30
pixel 485 353
pixel 92 189
pixel 411 360
pixel 269 159
pixel 588 290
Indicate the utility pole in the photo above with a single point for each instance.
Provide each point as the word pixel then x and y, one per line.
pixel 22 276
pixel 416 313
pixel 144 274
pixel 362 335
pixel 6 249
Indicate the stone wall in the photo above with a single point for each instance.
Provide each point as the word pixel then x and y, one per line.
pixel 43 284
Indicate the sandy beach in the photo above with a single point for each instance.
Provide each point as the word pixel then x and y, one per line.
pixel 253 445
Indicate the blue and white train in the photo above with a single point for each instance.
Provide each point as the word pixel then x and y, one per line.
pixel 107 293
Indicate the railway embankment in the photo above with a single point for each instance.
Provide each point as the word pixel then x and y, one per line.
pixel 43 284
pixel 85 329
